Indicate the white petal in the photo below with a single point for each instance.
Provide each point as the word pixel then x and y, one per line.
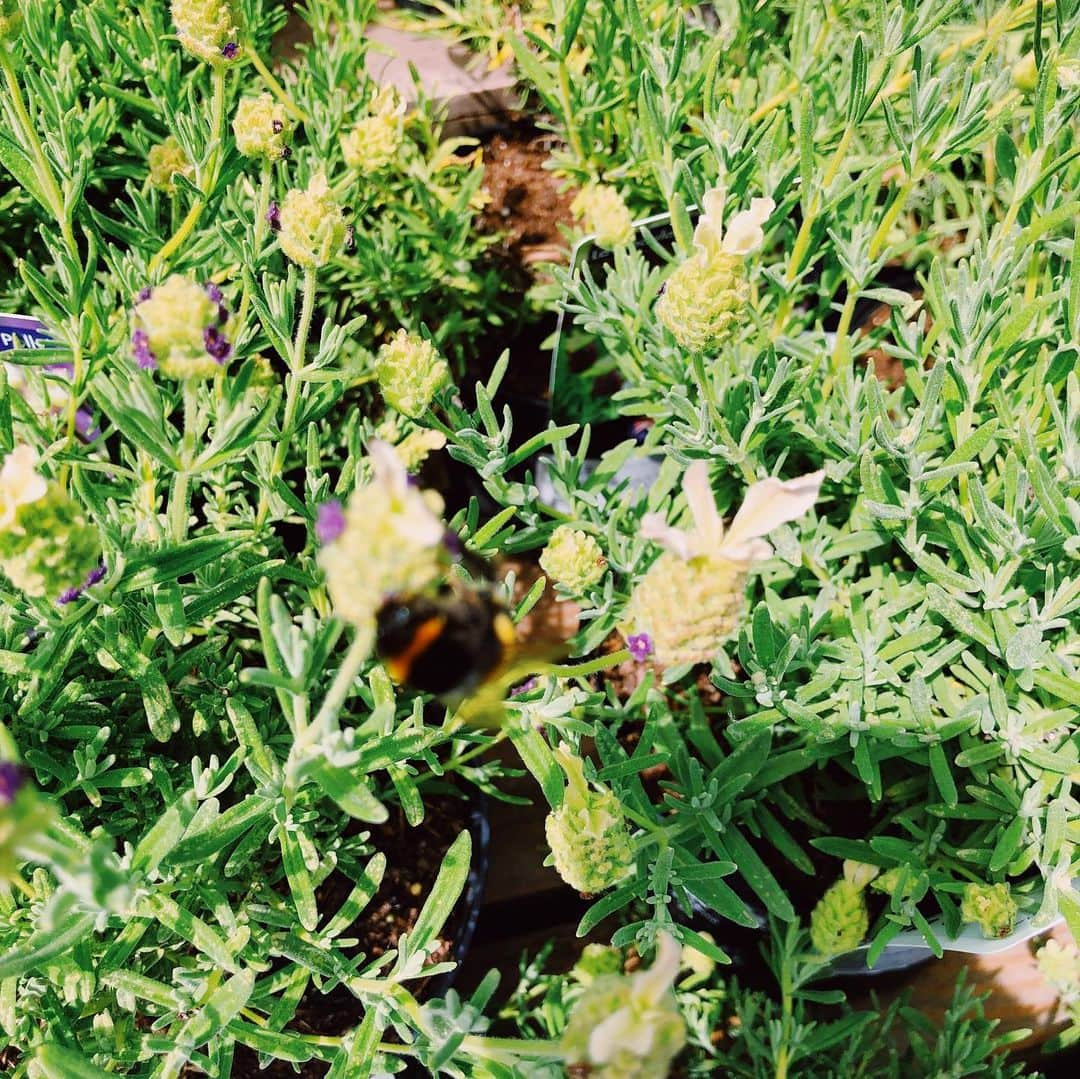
pixel 746 554
pixel 389 471
pixel 654 526
pixel 651 985
pixel 770 503
pixel 708 524
pixel 620 1030
pixel 19 479
pixel 710 226
pixel 744 234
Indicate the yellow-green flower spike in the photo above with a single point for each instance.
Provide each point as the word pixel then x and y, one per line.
pixel 410 372
pixel 374 142
pixel 604 214
pixel 312 226
pixel 262 128
pixel 167 160
pixel 181 328
pixel 840 920
pixel 388 539
pixel 693 597
pixel 991 907
pixel 573 559
pixel 10 20
pixel 208 29
pixel 587 834
pixel 47 548
pixel 704 301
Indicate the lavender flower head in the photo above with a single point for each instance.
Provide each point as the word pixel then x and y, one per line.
pixel 183 328
pixel 11 780
pixel 273 217
pixel 329 522
pixel 230 50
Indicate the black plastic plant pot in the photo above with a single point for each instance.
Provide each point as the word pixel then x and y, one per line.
pixel 479 828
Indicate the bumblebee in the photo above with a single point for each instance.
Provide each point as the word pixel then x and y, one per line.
pixel 459 644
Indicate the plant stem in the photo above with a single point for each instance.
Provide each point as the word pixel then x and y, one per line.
pixel 276 88
pixel 42 171
pixel 262 203
pixel 350 668
pixel 293 383
pixel 207 176
pixel 178 500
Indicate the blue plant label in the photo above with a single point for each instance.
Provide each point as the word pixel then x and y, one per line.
pixel 22 331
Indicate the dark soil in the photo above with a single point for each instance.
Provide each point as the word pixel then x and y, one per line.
pixel 414 856
pixel 527 204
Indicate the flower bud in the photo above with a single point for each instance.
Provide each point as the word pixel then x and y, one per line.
pixel 573 559
pixel 991 907
pixel 704 301
pixel 47 548
pixel 596 961
pixel 628 1026
pixel 311 225
pixel 604 214
pixel 374 141
pixel 208 29
pixel 10 20
pixel 410 372
pixel 166 159
pixel 840 920
pixel 182 328
pixel 587 834
pixel 900 879
pixel 1025 73
pixel 262 128
pixel 388 539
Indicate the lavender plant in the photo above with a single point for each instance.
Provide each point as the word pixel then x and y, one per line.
pixel 260 283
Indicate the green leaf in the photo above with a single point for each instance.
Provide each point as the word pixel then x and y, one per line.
pixel 357 1056
pixel 159 842
pixel 358 898
pixel 1007 846
pixel 186 926
pixel 45 946
pixel 55 1062
pixel 448 887
pixel 216 1014
pixel 19 165
pixel 291 836
pixel 942 773
pixel 757 874
pixel 350 792
pixel 536 755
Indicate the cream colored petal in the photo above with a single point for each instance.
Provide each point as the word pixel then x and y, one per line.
pixel 20 483
pixel 654 526
pixel 770 503
pixel 746 554
pixel 710 227
pixel 619 1031
pixel 744 234
pixel 651 985
pixel 708 524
